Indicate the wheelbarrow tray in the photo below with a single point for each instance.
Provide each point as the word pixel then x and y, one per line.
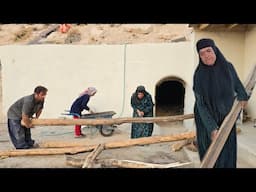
pixel 105 114
pixel 105 130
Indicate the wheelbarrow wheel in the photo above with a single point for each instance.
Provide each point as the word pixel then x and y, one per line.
pixel 106 131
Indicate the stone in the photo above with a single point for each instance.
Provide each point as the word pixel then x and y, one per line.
pixel 138 28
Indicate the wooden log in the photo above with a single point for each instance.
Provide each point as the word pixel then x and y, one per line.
pixel 110 121
pixel 179 145
pixel 52 151
pixel 61 144
pixel 123 163
pixel 74 162
pixel 44 34
pixel 150 140
pixel 88 162
pixel 216 146
pixel 123 143
pixel 192 147
pixel 138 164
pixel 78 149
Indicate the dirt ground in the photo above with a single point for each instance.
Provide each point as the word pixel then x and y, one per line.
pixel 154 153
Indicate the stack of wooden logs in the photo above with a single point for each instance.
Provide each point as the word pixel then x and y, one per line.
pixel 53 148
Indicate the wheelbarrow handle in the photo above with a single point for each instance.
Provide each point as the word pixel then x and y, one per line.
pixel 73 114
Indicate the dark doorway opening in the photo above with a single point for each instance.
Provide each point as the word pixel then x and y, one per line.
pixel 169 97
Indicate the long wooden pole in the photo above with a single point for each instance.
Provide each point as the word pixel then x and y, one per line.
pixel 124 163
pixel 216 146
pixel 78 148
pixel 138 164
pixel 52 151
pixel 123 143
pixel 88 162
pixel 110 121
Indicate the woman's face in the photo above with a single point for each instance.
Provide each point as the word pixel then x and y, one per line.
pixel 140 95
pixel 207 56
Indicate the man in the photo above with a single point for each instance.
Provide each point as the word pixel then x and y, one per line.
pixel 19 115
pixel 216 84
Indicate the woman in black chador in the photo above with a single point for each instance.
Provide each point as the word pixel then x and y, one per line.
pixel 216 85
pixel 142 104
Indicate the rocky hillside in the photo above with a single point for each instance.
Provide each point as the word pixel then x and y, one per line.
pixel 93 33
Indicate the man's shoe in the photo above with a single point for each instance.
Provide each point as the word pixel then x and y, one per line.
pixel 36 145
pixel 31 142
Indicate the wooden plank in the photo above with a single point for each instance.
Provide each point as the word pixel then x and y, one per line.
pixel 74 162
pixel 150 140
pixel 123 163
pixel 72 148
pixel 179 145
pixel 110 121
pixel 216 146
pixel 52 151
pixel 88 162
pixel 123 143
pixel 138 164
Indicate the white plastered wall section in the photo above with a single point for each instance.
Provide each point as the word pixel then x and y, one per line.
pixel 66 70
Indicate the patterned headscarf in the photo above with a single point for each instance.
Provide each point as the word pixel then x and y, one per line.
pixel 89 91
pixel 139 89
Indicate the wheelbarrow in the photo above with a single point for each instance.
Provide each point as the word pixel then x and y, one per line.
pixel 105 130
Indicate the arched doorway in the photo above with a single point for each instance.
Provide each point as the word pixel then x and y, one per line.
pixel 169 97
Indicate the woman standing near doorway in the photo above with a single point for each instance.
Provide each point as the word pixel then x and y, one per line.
pixel 142 104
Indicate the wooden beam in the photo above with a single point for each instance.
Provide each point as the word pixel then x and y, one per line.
pixel 124 163
pixel 42 151
pixel 123 143
pixel 44 34
pixel 203 26
pixel 74 162
pixel 110 121
pixel 216 146
pixel 71 149
pixel 88 162
pixel 138 164
pixel 179 145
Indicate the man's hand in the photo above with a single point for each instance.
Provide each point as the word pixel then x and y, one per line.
pixel 27 125
pixel 26 122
